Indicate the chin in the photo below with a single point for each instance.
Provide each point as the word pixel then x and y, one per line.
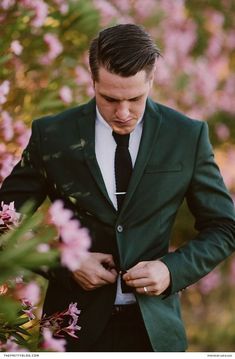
pixel 123 130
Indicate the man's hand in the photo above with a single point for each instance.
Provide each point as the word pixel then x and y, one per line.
pixel 149 277
pixel 96 270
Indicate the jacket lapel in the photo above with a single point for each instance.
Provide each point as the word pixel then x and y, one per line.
pixel 87 130
pixel 152 122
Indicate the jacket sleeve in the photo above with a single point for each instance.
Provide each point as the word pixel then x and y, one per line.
pixel 213 210
pixel 27 180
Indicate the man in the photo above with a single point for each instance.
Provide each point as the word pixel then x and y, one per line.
pixel 128 287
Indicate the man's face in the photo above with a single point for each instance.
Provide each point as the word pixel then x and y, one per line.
pixel 121 100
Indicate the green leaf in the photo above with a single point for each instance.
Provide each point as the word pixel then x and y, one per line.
pixel 19 339
pixel 36 260
pixel 5 58
pixel 3 337
pixel 21 321
pixel 13 235
pixel 9 309
pixel 22 331
pixel 12 256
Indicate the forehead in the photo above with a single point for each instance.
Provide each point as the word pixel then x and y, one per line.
pixel 121 87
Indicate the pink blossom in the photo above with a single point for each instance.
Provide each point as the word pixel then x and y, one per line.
pixel 205 81
pixel 225 98
pixel 20 127
pixel 82 75
pixel 19 279
pixel 230 39
pixel 54 45
pixel 63 6
pixel 51 343
pixel 74 246
pixel 75 240
pixel 43 248
pixel 220 67
pixel 174 7
pixel 144 8
pixel 56 321
pixel 16 47
pixel 7 165
pixel 107 11
pixel 180 41
pixel 2 148
pixel 59 215
pixel 210 281
pixel 27 305
pixel 12 346
pixel 30 292
pixel 30 313
pixel 22 132
pixel 72 329
pixel 3 17
pixel 40 9
pixel 4 90
pixel 162 74
pixel 6 4
pixel 8 214
pixel 215 20
pixel 123 5
pixel 55 48
pixel 66 94
pixel 222 131
pixel 73 310
pixel 215 45
pixel 7 126
pixel 226 162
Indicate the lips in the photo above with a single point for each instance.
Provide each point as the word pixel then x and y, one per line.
pixel 123 123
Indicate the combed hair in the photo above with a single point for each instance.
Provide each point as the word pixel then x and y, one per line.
pixel 123 50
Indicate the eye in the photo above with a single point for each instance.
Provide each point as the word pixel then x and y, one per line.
pixel 135 99
pixel 109 99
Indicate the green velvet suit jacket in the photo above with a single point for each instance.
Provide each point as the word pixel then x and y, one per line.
pixel 175 161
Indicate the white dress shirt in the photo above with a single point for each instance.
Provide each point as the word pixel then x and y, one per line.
pixel 105 147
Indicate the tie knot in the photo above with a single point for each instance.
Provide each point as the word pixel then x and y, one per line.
pixel 121 140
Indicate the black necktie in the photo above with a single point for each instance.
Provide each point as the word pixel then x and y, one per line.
pixel 122 166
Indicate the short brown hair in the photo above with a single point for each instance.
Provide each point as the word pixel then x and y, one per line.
pixel 124 50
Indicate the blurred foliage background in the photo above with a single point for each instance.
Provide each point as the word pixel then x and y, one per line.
pixel 44 69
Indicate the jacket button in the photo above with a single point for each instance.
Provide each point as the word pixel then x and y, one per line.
pixel 119 228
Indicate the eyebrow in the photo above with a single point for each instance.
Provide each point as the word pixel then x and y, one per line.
pixel 116 99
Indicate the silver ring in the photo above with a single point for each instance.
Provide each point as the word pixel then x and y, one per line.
pixel 145 290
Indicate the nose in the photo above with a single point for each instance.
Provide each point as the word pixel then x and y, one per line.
pixel 122 111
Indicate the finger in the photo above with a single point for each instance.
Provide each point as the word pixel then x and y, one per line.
pixel 137 283
pixel 147 290
pixel 91 282
pixel 109 262
pixel 106 258
pixel 114 272
pixel 136 273
pixel 108 276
